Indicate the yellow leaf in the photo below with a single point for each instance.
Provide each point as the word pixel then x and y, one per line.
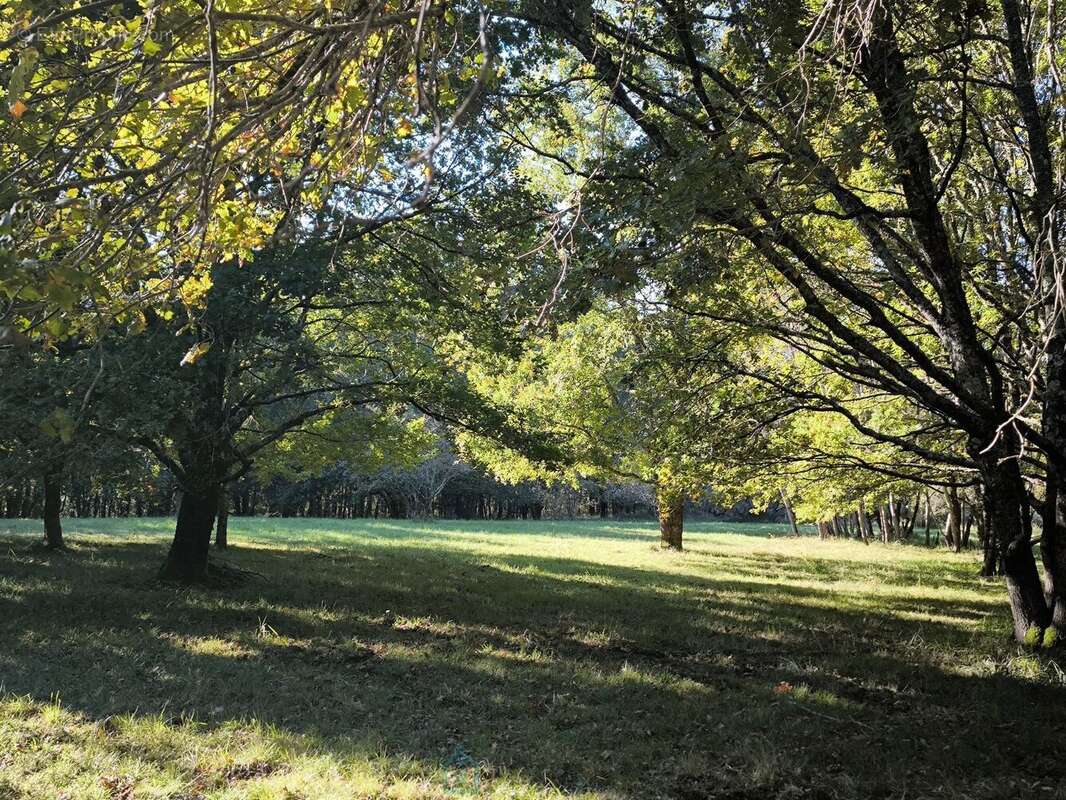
pixel 194 288
pixel 18 108
pixel 140 322
pixel 196 352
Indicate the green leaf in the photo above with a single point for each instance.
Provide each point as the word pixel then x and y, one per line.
pixel 58 425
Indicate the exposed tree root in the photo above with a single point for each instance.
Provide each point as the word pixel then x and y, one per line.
pixel 218 575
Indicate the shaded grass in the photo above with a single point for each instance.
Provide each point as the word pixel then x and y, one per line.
pixel 466 659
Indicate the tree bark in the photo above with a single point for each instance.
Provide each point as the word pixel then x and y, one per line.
pixel 671 519
pixel 53 528
pixel 187 559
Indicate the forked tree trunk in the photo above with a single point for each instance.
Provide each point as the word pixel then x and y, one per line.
pixel 53 528
pixel 671 519
pixel 222 523
pixel 908 526
pixel 187 559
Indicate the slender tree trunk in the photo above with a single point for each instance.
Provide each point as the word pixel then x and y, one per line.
pixel 967 525
pixel 187 559
pixel 53 528
pixel 222 523
pixel 864 522
pixel 953 526
pixel 928 516
pixel 990 566
pixel 789 512
pixel 671 518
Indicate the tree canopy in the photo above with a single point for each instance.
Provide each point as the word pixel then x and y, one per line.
pixel 807 254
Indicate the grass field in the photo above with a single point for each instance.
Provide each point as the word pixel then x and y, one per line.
pixel 513 660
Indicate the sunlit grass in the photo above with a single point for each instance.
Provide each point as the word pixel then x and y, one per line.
pixel 512 660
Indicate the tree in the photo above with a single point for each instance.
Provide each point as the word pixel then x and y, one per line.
pixel 136 141
pixel 38 432
pixel 860 163
pixel 268 354
pixel 313 352
pixel 605 388
pixel 43 436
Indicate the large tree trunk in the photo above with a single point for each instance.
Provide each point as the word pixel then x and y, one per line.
pixel 222 523
pixel 1053 513
pixel 1046 214
pixel 671 518
pixel 53 528
pixel 1010 527
pixel 187 559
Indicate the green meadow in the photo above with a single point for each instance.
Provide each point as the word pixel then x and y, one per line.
pixel 372 659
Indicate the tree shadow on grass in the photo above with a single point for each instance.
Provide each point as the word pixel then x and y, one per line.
pixel 570 673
